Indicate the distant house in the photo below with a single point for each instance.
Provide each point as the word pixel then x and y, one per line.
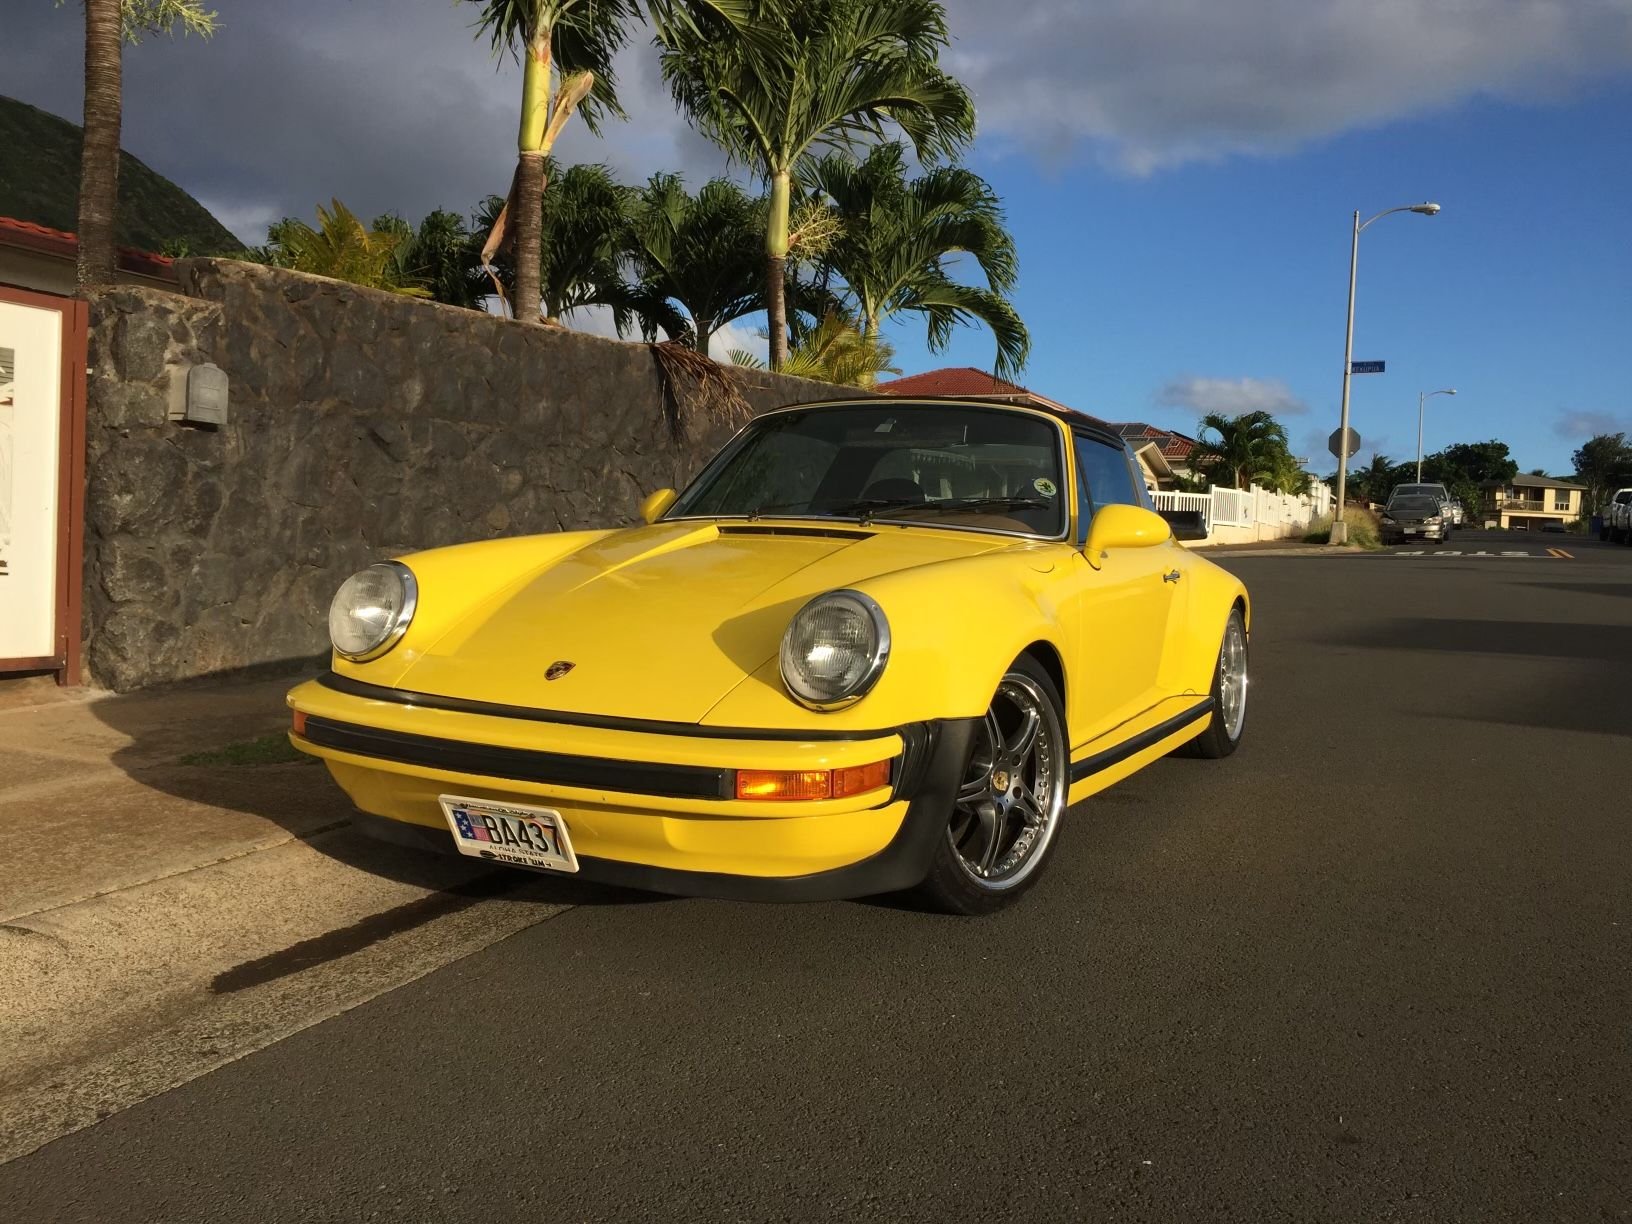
pixel 1532 501
pixel 1164 452
pixel 966 382
pixel 43 259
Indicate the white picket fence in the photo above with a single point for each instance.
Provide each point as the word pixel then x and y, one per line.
pixel 1240 516
pixel 1167 500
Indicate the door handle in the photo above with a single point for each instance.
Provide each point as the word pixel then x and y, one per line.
pixel 1171 576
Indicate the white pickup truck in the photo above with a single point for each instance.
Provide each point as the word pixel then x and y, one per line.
pixel 1617 516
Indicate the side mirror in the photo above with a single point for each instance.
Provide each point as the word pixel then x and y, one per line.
pixel 657 504
pixel 1119 526
pixel 1186 524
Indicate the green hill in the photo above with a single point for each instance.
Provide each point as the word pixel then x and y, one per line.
pixel 39 182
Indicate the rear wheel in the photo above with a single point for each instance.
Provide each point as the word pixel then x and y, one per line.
pixel 1229 718
pixel 1010 801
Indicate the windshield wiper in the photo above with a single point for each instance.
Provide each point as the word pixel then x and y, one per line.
pixel 867 507
pixel 991 503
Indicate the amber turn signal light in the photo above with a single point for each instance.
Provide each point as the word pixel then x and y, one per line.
pixel 811 783
pixel 859 779
pixel 300 722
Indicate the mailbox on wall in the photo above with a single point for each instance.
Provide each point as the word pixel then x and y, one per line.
pixel 204 396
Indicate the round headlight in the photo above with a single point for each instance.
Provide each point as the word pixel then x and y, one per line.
pixel 835 649
pixel 371 610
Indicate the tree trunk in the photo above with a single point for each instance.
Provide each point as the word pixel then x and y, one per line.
pixel 529 218
pixel 702 332
pixel 776 259
pixel 99 156
pixel 529 235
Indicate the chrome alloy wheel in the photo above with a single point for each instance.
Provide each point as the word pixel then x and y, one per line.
pixel 1232 678
pixel 1013 793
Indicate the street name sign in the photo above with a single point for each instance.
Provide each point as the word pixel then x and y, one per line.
pixel 1334 443
pixel 1366 367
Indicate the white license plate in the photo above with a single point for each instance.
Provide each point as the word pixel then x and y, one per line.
pixel 1413 531
pixel 507 833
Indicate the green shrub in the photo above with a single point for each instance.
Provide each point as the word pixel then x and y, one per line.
pixel 1363 529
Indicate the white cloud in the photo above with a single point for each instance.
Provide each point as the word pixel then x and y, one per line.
pixel 596 321
pixel 743 334
pixel 1231 396
pixel 739 336
pixel 1148 84
pixel 248 220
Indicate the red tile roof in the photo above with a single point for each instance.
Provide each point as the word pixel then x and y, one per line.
pixel 1172 445
pixel 31 236
pixel 966 382
pixel 953 381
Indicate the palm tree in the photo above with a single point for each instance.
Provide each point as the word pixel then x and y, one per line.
pixel 566 49
pixel 1285 475
pixel 835 351
pixel 343 248
pixel 896 239
pixel 444 256
pixel 108 25
pixel 1374 480
pixel 584 242
pixel 1244 448
pixel 704 251
pixel 816 75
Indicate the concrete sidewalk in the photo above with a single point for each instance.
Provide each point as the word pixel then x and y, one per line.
pixel 94 798
pixel 158 920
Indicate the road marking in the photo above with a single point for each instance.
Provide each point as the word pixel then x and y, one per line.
pixel 1550 554
pixel 1559 552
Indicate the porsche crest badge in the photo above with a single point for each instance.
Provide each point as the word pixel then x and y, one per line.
pixel 558 669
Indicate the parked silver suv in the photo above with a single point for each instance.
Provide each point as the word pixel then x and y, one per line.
pixel 1617 518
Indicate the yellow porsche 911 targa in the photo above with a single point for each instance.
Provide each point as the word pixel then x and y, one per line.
pixel 876 646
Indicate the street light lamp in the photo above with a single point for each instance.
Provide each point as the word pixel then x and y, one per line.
pixel 1421 396
pixel 1340 529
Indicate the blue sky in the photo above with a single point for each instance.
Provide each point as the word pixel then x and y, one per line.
pixel 1519 294
pixel 1179 176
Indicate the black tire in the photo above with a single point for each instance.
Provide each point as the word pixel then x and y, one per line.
pixel 951 886
pixel 1215 741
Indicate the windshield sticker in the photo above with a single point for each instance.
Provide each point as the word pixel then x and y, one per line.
pixel 889 424
pixel 1044 485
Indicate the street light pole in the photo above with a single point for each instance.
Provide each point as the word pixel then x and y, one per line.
pixel 1340 529
pixel 1421 396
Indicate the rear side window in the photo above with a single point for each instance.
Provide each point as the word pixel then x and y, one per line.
pixel 1104 478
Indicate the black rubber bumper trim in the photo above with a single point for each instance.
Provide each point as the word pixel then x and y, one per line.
pixel 493 709
pixel 900 865
pixel 1089 766
pixel 524 764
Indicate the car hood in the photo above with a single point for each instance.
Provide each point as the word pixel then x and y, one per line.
pixel 661 622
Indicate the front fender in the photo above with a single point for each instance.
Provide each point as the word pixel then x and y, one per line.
pixel 955 627
pixel 1193 644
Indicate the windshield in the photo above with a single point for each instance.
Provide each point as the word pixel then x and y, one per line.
pixel 1422 490
pixel 1414 505
pixel 980 468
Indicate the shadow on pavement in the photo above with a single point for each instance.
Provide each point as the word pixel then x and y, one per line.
pixel 1621 589
pixel 1541 639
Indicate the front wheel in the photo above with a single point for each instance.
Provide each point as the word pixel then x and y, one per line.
pixel 1229 718
pixel 1010 801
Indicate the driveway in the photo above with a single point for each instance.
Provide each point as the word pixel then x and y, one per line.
pixel 1376 966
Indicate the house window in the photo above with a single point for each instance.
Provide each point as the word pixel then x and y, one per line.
pixel 1561 501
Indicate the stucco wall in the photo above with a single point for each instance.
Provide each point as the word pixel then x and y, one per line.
pixel 362 425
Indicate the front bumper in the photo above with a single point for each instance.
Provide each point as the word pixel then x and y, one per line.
pixel 1399 535
pixel 646 806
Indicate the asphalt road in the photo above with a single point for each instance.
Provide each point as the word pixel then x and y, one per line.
pixel 1376 966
